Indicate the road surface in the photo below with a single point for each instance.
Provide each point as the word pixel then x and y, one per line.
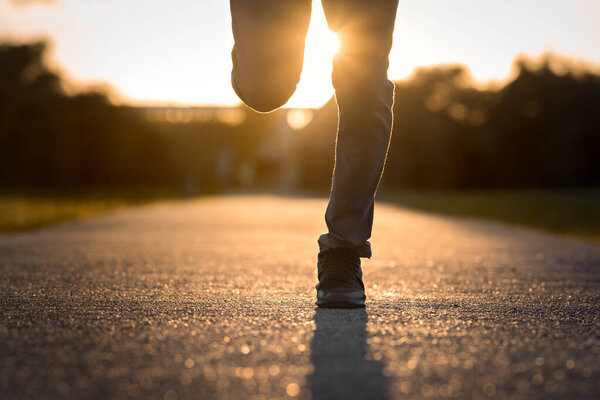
pixel 213 299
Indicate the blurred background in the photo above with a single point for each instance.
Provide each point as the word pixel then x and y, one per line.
pixel 102 104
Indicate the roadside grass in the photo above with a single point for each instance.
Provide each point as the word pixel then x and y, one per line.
pixel 572 212
pixel 21 210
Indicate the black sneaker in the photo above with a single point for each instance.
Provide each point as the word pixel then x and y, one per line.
pixel 340 279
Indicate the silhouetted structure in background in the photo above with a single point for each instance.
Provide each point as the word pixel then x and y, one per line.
pixel 541 129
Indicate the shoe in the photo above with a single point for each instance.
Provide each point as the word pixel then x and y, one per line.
pixel 340 279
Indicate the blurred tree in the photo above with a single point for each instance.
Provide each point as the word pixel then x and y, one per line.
pixel 540 129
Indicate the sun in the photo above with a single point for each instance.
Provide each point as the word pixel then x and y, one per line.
pixel 315 86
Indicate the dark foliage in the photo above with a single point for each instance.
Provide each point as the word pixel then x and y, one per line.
pixel 49 139
pixel 541 129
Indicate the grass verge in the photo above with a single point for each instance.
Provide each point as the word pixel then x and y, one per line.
pixel 568 212
pixel 21 210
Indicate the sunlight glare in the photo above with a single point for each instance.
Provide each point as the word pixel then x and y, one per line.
pixel 315 87
pixel 298 119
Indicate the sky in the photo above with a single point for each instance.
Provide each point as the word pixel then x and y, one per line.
pixel 177 52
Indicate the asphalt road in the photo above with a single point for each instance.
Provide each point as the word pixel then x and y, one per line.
pixel 213 299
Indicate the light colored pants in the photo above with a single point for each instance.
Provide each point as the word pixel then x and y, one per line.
pixel 267 62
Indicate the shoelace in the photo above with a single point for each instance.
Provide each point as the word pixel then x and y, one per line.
pixel 337 266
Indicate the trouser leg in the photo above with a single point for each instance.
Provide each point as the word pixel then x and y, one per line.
pixel 365 97
pixel 269 50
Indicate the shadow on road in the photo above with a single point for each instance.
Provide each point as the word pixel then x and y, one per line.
pixel 338 354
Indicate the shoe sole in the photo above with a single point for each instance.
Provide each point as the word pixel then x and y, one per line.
pixel 340 300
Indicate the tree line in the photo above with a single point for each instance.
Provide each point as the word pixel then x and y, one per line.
pixel 540 129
